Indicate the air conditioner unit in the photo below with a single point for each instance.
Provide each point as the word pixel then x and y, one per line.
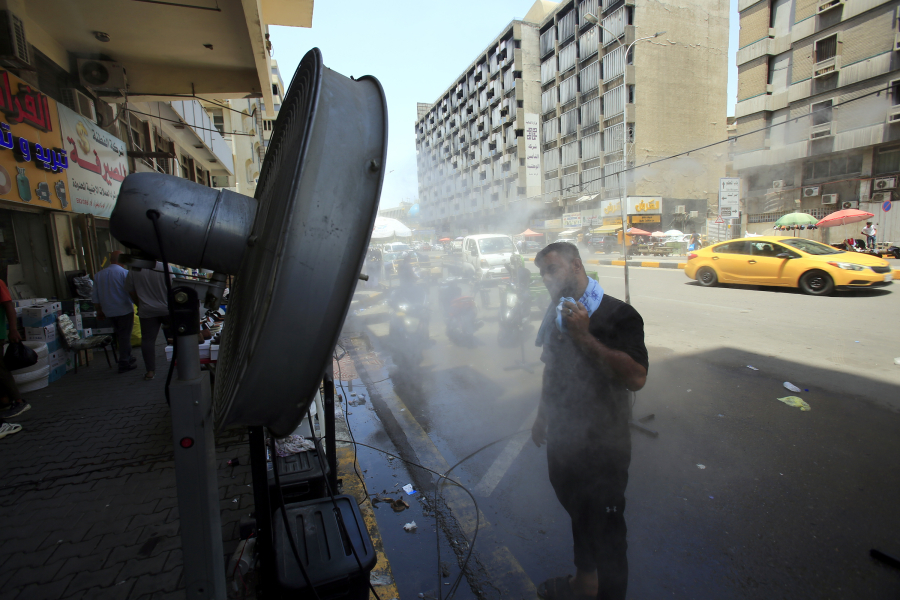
pixel 827 67
pixel 894 115
pixel 882 197
pixel 101 75
pixel 79 102
pixel 818 132
pixel 884 183
pixel 811 192
pixel 829 198
pixel 15 52
pixel 849 204
pixel 826 5
pixel 694 214
pixel 680 209
pixel 106 114
pixel 778 185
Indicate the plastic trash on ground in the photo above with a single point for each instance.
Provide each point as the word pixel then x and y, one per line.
pixel 796 402
pixel 411 526
pixel 791 386
pixel 408 488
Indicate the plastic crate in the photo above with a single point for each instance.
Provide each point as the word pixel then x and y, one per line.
pixel 301 477
pixel 325 549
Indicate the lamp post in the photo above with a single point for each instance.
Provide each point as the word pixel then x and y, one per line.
pixel 591 18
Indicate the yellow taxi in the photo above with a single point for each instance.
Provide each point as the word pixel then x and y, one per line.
pixel 815 268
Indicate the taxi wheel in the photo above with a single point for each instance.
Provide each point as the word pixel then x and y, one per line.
pixel 707 277
pixel 817 283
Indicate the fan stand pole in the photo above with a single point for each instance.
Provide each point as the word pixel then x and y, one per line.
pixel 521 364
pixel 194 446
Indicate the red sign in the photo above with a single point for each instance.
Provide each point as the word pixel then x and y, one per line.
pixel 25 106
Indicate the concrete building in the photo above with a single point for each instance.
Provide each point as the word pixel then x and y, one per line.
pixel 818 111
pixel 144 89
pixel 474 162
pixel 598 112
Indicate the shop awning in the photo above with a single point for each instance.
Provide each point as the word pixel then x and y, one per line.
pixel 570 231
pixel 587 198
pixel 606 229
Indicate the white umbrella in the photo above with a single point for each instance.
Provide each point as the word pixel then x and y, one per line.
pixel 673 233
pixel 388 228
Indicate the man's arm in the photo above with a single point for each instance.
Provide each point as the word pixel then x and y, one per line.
pixel 616 363
pixel 10 310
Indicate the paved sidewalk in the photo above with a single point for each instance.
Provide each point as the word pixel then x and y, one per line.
pixel 88 506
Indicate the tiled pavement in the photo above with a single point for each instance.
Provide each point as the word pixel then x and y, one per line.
pixel 88 507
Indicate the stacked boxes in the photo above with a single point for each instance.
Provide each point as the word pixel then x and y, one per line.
pixel 58 361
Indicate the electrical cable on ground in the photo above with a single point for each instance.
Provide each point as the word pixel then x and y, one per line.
pixel 346 409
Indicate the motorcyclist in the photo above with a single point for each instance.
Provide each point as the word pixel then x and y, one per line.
pixel 519 276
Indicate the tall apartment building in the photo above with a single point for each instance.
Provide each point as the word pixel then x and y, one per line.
pixel 601 111
pixel 474 161
pixel 819 96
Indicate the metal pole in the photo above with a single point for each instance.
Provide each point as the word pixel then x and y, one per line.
pixel 263 509
pixel 330 443
pixel 194 445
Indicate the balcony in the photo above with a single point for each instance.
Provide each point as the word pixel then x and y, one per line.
pixel 195 116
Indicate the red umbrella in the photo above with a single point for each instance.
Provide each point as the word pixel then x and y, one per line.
pixel 844 217
pixel 444 240
pixel 636 231
pixel 530 233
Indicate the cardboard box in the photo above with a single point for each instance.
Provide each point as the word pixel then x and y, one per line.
pixel 54 345
pixel 86 333
pixel 41 334
pixel 57 373
pixel 23 302
pixel 78 321
pixel 55 307
pixel 89 314
pixel 214 352
pixel 57 358
pixel 71 357
pixel 38 316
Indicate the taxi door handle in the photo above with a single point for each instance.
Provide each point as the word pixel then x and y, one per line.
pixel 715 258
pixel 752 262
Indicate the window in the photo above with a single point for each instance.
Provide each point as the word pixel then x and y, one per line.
pixel 826 48
pixel 832 167
pixel 895 92
pixel 769 249
pixel 887 160
pixel 810 247
pixel 821 113
pixel 732 248
pixel 219 123
pixel 630 94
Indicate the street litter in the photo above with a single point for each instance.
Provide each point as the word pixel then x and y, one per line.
pixel 791 386
pixel 408 488
pixel 411 526
pixel 897 361
pixel 754 368
pixel 382 579
pixel 701 466
pixel 292 444
pixel 795 401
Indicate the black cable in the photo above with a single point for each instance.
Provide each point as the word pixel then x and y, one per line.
pixel 193 126
pixel 346 409
pixel 287 527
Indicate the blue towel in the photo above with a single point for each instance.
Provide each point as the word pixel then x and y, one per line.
pixel 591 299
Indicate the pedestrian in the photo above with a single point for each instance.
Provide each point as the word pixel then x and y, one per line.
pixel 11 403
pixel 869 231
pixel 593 354
pixel 147 288
pixel 113 302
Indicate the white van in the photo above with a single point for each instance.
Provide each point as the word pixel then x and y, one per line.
pixel 396 247
pixel 488 254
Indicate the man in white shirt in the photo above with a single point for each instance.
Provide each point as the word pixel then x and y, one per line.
pixel 147 288
pixel 869 232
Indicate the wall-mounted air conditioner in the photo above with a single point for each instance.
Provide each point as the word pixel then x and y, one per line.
pixel 811 192
pixel 778 185
pixel 101 75
pixel 882 197
pixel 829 198
pixel 849 204
pixel 884 183
pixel 680 209
pixel 79 102
pixel 694 214
pixel 893 115
pixel 817 132
pixel 826 5
pixel 827 67
pixel 15 52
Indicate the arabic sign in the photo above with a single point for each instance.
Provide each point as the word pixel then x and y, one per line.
pixel 729 204
pixel 532 151
pixel 644 205
pixel 730 184
pixel 644 219
pixel 32 159
pixel 571 219
pixel 611 207
pixel 552 223
pixel 97 164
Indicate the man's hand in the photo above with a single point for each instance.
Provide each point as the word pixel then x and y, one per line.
pixel 539 431
pixel 14 337
pixel 576 318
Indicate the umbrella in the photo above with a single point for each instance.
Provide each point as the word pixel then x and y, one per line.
pixel 844 217
pixel 795 219
pixel 673 233
pixel 636 231
pixel 658 234
pixel 459 238
pixel 530 233
pixel 444 240
pixel 388 228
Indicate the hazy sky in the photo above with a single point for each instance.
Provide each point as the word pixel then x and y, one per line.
pixel 416 49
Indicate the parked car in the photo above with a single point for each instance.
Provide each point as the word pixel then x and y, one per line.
pixel 569 240
pixel 425 247
pixel 815 268
pixel 396 247
pixel 531 246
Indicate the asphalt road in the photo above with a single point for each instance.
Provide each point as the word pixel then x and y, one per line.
pixel 786 504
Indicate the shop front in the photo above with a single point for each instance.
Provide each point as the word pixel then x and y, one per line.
pixel 645 212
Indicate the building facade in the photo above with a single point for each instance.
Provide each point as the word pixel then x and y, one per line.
pixel 599 112
pixel 818 112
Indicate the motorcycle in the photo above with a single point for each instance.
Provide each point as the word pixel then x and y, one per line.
pixel 408 324
pixel 514 314
pixel 460 312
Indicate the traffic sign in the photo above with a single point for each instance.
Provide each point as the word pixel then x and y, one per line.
pixel 720 220
pixel 886 207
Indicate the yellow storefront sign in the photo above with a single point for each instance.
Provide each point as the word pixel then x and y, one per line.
pixel 612 220
pixel 644 218
pixel 32 160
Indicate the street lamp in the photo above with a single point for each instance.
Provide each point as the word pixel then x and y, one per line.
pixel 593 20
